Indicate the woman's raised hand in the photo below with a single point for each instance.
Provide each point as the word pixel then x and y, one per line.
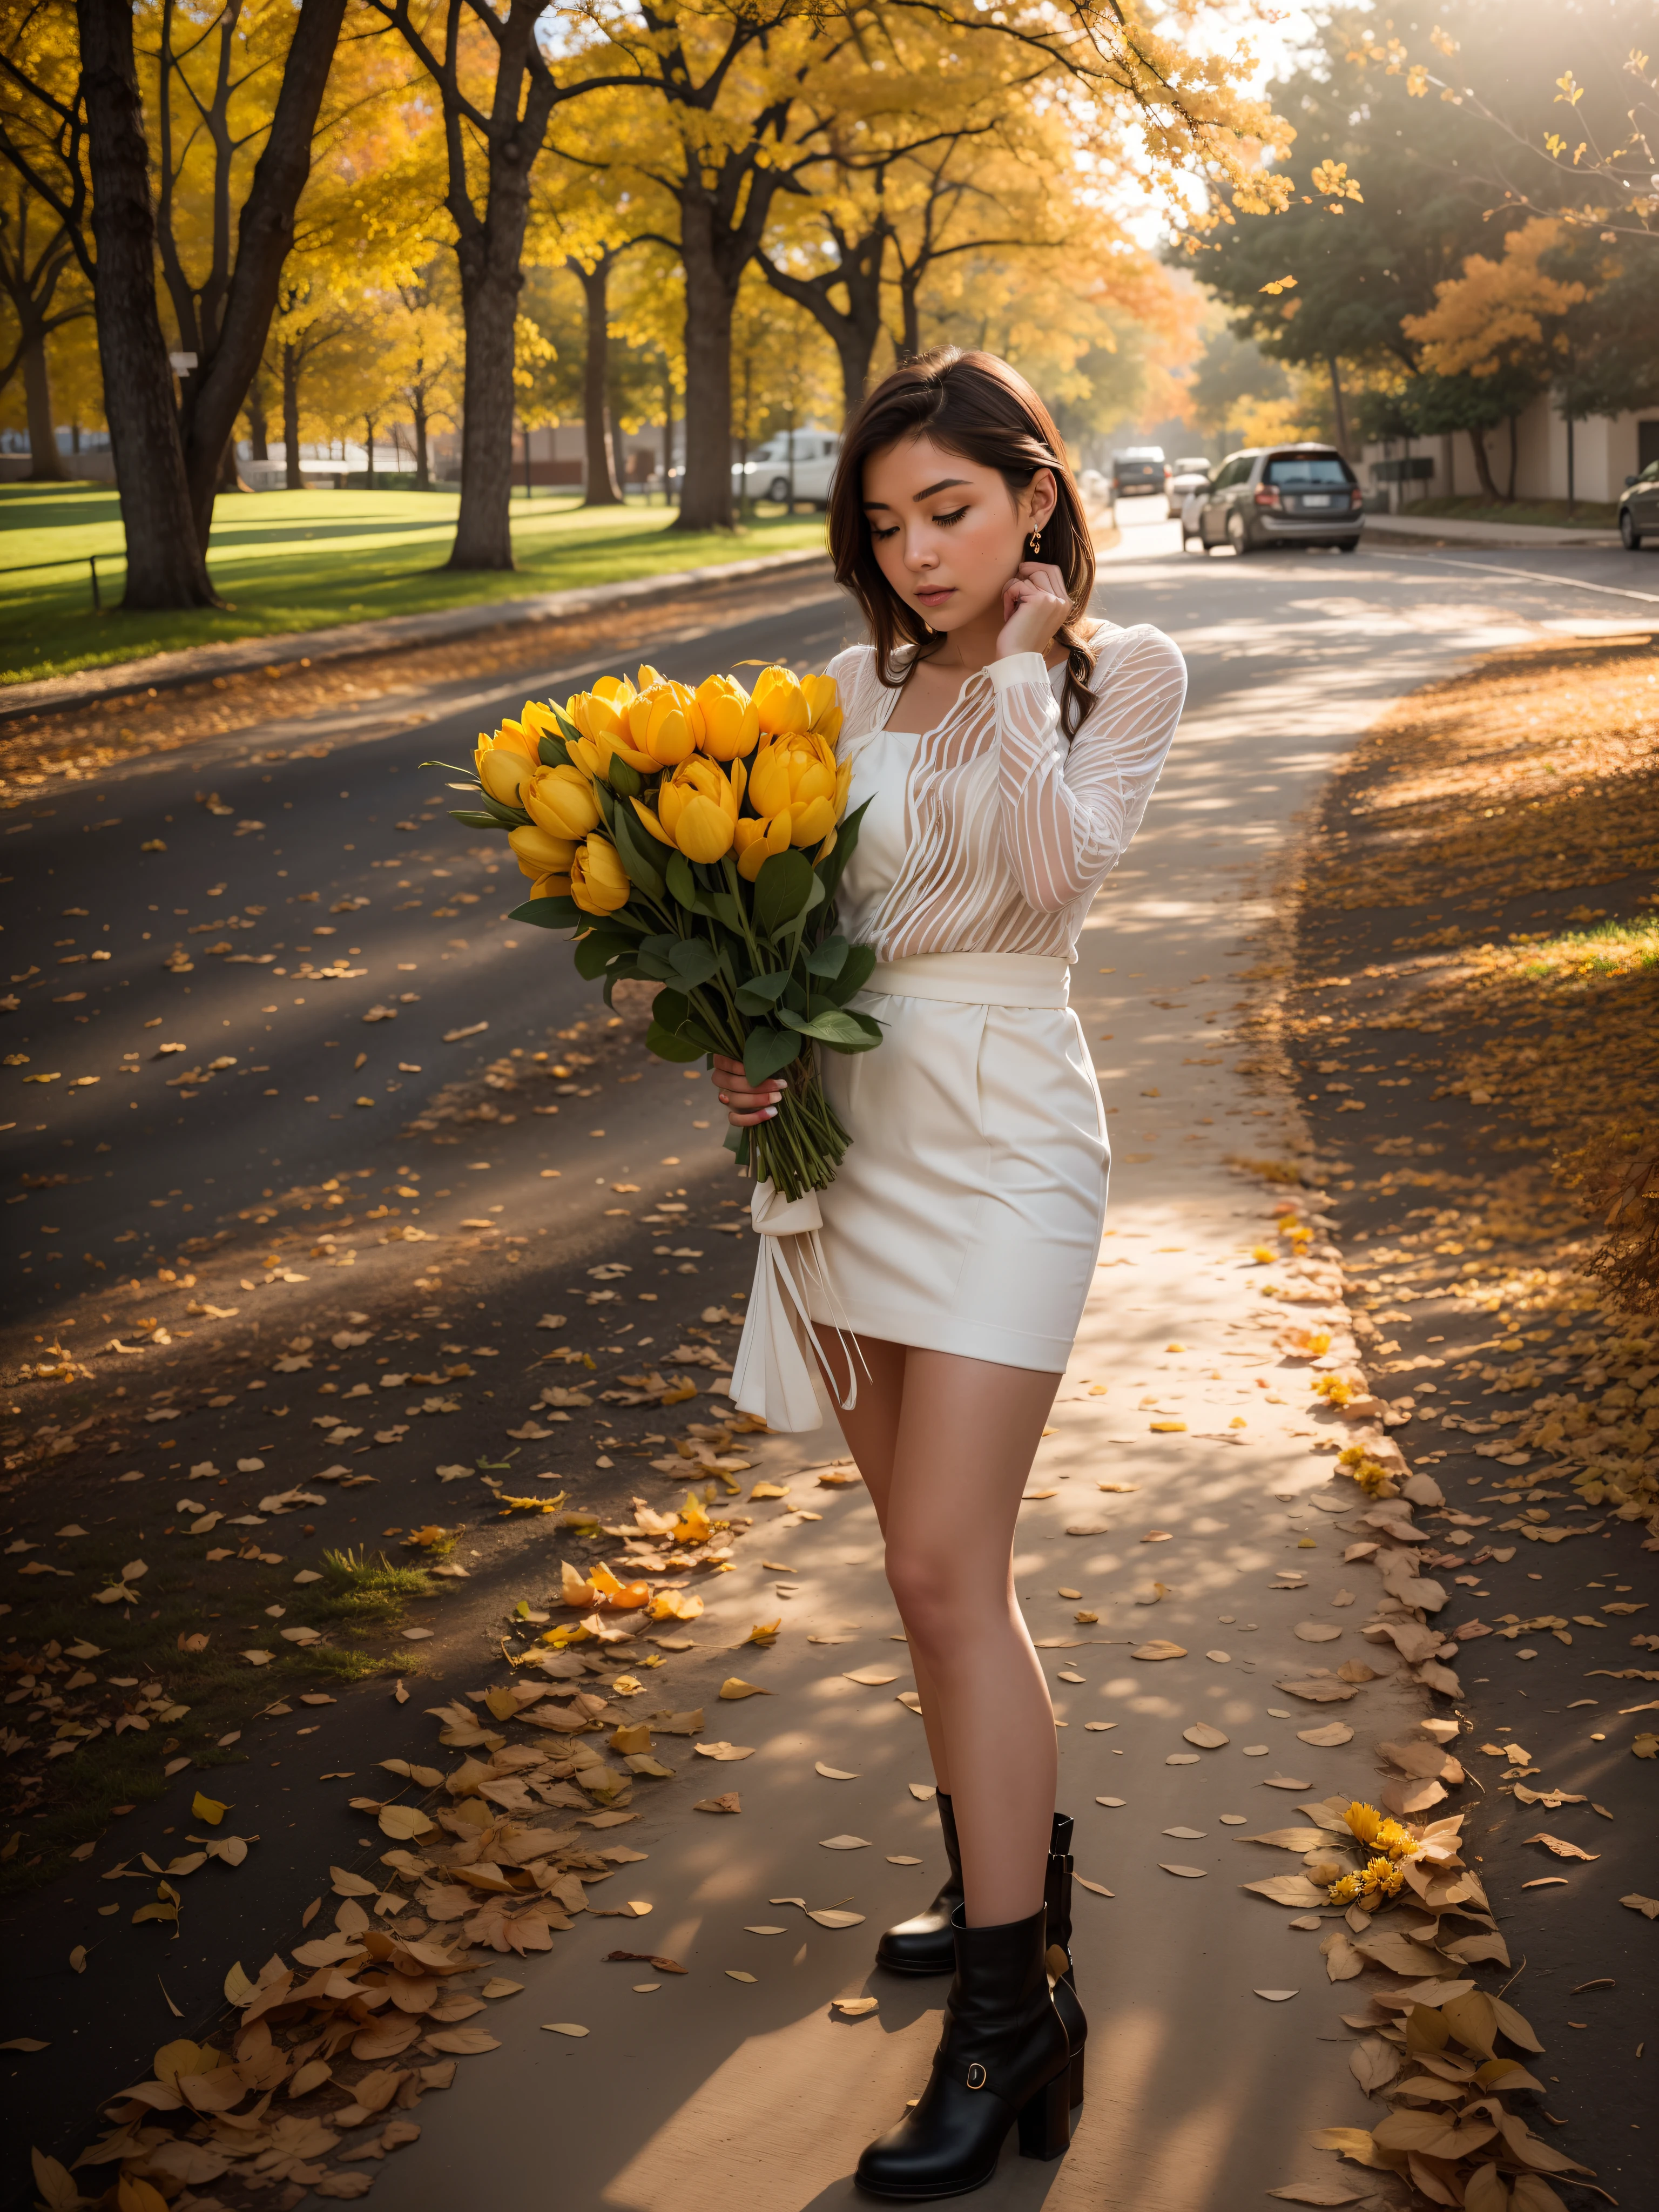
pixel 1034 602
pixel 746 1105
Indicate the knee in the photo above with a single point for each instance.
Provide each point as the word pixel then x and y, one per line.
pixel 933 1600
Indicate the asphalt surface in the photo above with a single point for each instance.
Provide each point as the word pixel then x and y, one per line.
pixel 1290 652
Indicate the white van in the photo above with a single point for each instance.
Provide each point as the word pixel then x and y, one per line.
pixel 767 476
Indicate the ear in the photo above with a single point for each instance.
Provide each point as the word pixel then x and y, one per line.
pixel 1043 498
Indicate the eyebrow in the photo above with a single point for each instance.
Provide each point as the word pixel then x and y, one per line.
pixel 945 484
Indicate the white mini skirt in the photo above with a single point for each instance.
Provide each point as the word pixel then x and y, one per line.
pixel 966 1214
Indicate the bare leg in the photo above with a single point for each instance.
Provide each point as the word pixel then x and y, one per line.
pixel 946 1479
pixel 872 1430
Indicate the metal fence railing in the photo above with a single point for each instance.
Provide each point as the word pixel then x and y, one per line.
pixel 75 561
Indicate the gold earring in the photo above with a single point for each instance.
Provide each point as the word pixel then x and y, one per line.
pixel 1036 543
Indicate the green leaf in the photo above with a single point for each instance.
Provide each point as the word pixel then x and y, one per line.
pixel 683 886
pixel 858 967
pixel 554 751
pixel 847 838
pixel 828 958
pixel 654 958
pixel 633 849
pixel 782 891
pixel 624 777
pixel 842 1031
pixel 737 1143
pixel 767 1051
pixel 728 910
pixel 695 960
pixel 549 914
pixel 761 993
pixel 595 952
pixel 666 1046
pixel 670 1009
pixel 473 817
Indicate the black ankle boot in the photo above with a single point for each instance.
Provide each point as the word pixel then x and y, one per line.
pixel 1057 1899
pixel 1002 2060
pixel 923 1945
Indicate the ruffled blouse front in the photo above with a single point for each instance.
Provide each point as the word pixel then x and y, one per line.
pixel 992 832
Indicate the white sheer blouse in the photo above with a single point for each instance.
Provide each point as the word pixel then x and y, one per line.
pixel 1006 829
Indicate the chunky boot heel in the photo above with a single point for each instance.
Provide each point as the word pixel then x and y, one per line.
pixel 1003 2061
pixel 1057 1904
pixel 924 1945
pixel 1045 2123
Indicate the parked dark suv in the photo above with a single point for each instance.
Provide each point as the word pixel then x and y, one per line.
pixel 1282 495
pixel 1139 469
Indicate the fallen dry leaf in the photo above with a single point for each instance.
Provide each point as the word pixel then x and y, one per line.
pixel 1159 1649
pixel 1561 1847
pixel 1098 1888
pixel 1332 1732
pixel 1315 2192
pixel 736 1974
pixel 564 2027
pixel 844 1843
pixel 856 2008
pixel 734 1687
pixel 834 1773
pixel 872 1678
pixel 1646 1906
pixel 723 1750
pixel 728 1802
pixel 1192 1874
pixel 1277 1996
pixel 1205 1737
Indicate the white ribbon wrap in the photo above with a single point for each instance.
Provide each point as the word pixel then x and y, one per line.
pixel 773 1373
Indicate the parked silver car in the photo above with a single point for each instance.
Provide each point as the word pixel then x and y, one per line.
pixel 1301 494
pixel 1638 509
pixel 1187 485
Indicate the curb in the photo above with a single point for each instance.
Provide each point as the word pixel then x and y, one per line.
pixel 1446 530
pixel 168 671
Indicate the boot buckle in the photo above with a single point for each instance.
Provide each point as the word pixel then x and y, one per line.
pixel 977 2076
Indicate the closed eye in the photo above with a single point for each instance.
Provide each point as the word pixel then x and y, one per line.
pixel 944 522
pixel 877 536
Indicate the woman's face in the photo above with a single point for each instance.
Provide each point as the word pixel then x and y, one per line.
pixel 947 533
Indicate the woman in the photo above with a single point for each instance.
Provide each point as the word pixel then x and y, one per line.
pixel 1008 747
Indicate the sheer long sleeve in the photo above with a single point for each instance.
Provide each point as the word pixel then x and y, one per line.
pixel 1069 812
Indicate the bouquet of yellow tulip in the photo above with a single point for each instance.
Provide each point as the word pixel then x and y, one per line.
pixel 695 838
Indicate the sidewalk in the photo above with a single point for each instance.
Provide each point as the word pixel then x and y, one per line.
pixel 167 671
pixel 1447 530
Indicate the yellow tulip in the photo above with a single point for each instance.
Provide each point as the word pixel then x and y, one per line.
pixel 601 715
pixel 731 724
pixel 561 799
pixel 550 887
pixel 698 808
pixel 797 776
pixel 538 851
pixel 598 882
pixel 504 761
pixel 648 816
pixel 757 840
pixel 823 704
pixel 665 722
pixel 780 703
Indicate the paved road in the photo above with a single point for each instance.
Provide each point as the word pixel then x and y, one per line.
pixel 1290 656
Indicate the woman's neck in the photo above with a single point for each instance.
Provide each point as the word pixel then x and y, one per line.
pixel 966 651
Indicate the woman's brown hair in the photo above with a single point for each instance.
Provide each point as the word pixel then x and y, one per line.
pixel 973 404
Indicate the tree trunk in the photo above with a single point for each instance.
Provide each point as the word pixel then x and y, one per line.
pixel 706 496
pixel 1509 495
pixel 603 488
pixel 46 462
pixel 422 463
pixel 258 429
pixel 618 451
pixel 491 280
pixel 1340 406
pixel 909 286
pixel 667 434
pixel 216 391
pixel 369 447
pixel 230 476
pixel 855 332
pixel 1483 464
pixel 165 564
pixel 291 476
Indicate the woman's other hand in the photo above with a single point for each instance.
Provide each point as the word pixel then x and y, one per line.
pixel 1034 602
pixel 746 1106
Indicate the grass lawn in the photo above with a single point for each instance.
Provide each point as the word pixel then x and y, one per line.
pixel 1550 513
pixel 309 560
